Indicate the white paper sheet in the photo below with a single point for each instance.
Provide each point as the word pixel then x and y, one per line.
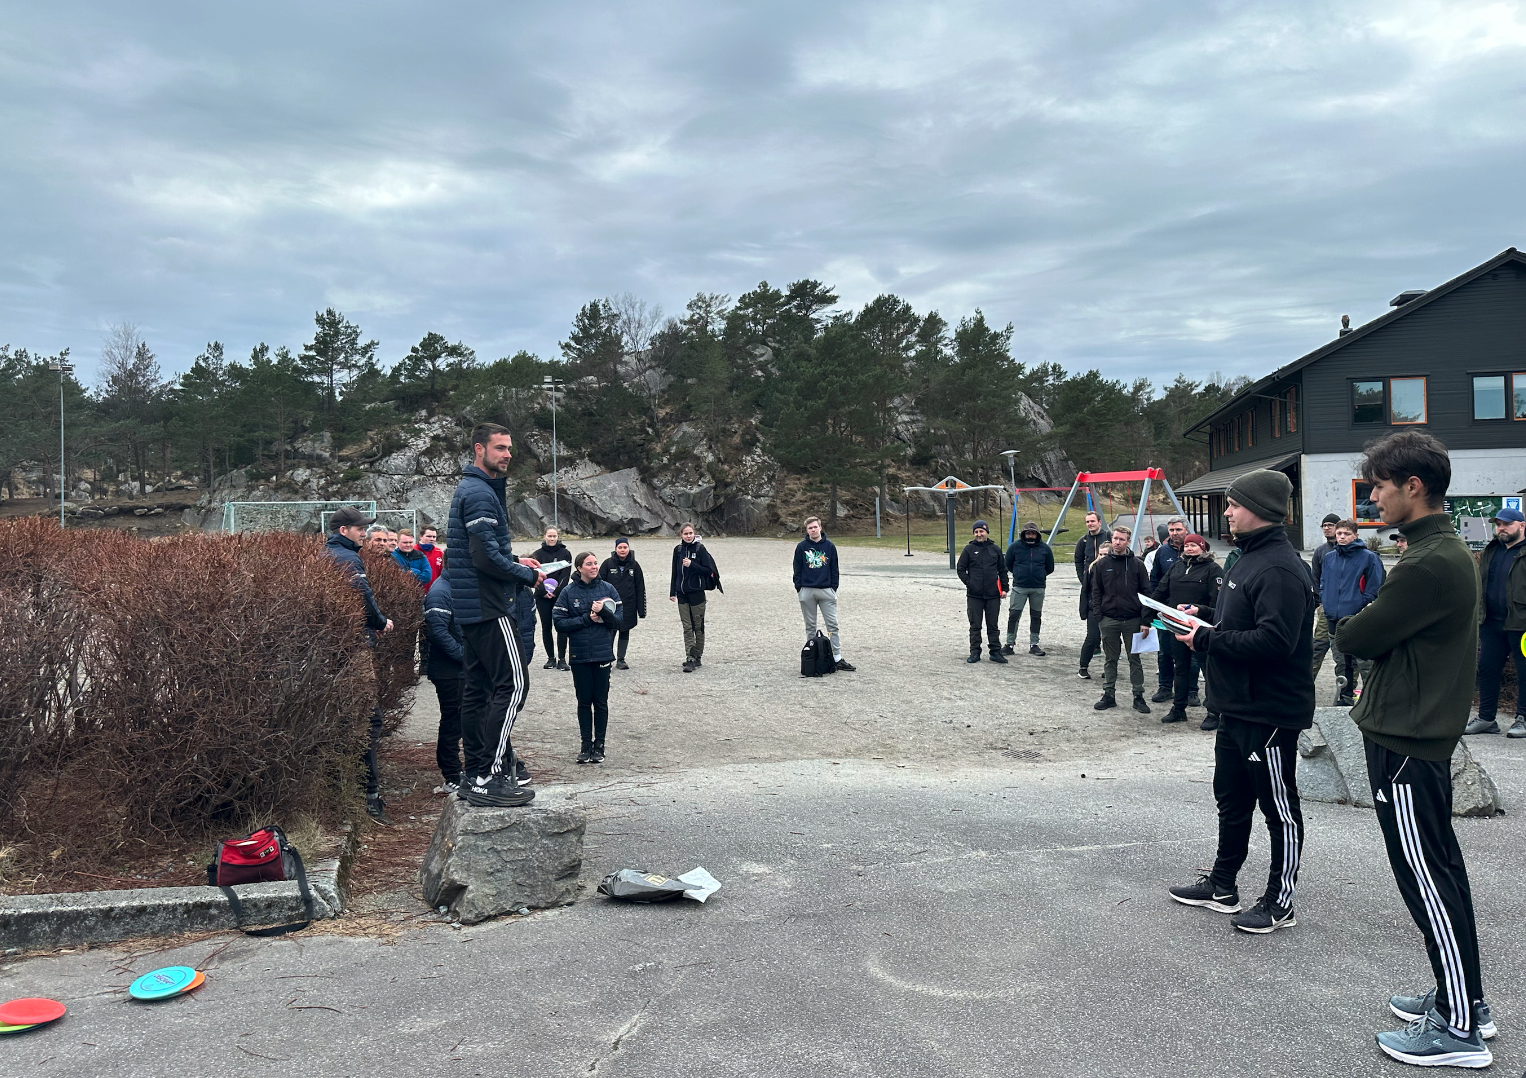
pixel 1147 641
pixel 702 884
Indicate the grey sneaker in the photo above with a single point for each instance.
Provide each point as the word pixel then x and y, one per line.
pixel 1427 1042
pixel 1481 725
pixel 1205 894
pixel 1517 728
pixel 1265 917
pixel 1413 1008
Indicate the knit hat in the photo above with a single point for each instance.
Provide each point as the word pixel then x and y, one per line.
pixel 1330 518
pixel 1194 537
pixel 622 539
pixel 1031 526
pixel 980 524
pixel 1264 492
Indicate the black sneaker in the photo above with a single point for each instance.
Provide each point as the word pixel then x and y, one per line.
pixel 561 664
pixel 1007 650
pixel 497 792
pixel 1265 916
pixel 598 752
pixel 688 666
pixel 845 665
pixel 1034 649
pixel 1140 705
pixel 1176 714
pixel 1205 894
pixel 1210 723
pixel 376 808
pixel 620 664
pixel 1106 702
pixel 549 664
pixel 586 756
pixel 1193 701
pixel 998 657
pixel 1161 696
pixel 1084 674
pixel 974 657
pixel 521 773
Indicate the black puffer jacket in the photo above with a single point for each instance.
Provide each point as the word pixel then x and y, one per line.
pixel 1259 654
pixel 980 567
pixel 1117 582
pixel 1191 581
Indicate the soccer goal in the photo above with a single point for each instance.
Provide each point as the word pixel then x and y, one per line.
pixel 392 518
pixel 288 516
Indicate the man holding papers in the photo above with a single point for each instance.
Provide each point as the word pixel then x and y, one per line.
pixel 1257 655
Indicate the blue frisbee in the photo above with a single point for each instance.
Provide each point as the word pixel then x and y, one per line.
pixel 164 983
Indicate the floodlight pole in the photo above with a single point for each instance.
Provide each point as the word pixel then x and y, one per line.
pixel 554 385
pixel 62 368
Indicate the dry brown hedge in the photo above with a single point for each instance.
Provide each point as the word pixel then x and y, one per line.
pixel 400 598
pixel 176 688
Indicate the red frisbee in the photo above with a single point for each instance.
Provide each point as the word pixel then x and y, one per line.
pixel 32 1011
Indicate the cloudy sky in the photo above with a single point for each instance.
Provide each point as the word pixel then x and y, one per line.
pixel 1143 187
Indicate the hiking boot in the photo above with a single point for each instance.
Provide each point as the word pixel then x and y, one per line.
pixel 1481 725
pixel 1205 894
pixel 1107 701
pixel 1140 705
pixel 1034 649
pixel 1427 1042
pixel 561 664
pixel 586 756
pixel 598 751
pixel 1517 728
pixel 998 657
pixel 688 666
pixel 376 808
pixel 497 792
pixel 549 664
pixel 1176 714
pixel 1161 696
pixel 845 666
pixel 1193 701
pixel 974 657
pixel 1084 674
pixel 620 664
pixel 1210 723
pixel 1008 650
pixel 1264 917
pixel 1413 1008
pixel 697 662
pixel 1345 701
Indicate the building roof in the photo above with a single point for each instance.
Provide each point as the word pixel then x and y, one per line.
pixel 1218 482
pixel 1237 402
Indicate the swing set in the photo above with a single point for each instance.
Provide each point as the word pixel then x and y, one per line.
pixel 1087 480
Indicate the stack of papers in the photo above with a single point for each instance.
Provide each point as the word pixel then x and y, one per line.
pixel 1178 620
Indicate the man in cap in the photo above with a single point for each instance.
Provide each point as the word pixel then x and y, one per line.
pixel 1501 619
pixel 1029 563
pixel 343 546
pixel 985 578
pixel 1256 659
pixel 1321 625
pixel 1399 541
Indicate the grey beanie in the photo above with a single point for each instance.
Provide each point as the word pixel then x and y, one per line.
pixel 1264 492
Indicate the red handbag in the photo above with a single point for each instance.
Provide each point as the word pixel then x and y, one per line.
pixel 262 857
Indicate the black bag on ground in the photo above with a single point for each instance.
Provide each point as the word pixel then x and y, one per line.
pixel 633 885
pixel 816 657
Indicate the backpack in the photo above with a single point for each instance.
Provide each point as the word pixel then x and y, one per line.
pixel 816 657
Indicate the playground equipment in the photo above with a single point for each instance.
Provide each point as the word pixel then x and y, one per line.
pixel 1145 475
pixel 951 487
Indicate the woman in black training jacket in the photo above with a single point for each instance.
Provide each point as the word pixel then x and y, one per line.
pixel 552 549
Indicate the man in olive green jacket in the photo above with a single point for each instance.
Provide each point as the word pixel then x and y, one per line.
pixel 1422 634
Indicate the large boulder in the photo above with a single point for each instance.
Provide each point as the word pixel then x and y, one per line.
pixel 483 862
pixel 622 502
pixel 1333 767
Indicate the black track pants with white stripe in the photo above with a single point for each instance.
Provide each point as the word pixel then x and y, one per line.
pixel 1255 763
pixel 1414 802
pixel 494 684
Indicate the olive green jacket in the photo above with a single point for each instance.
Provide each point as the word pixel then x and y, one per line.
pixel 1422 634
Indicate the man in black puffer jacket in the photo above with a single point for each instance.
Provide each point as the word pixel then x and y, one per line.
pixel 985 578
pixel 1257 657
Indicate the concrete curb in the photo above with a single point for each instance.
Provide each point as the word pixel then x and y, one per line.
pixel 45 922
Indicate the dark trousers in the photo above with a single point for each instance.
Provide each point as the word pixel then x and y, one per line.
pixel 692 617
pixel 622 641
pixel 990 611
pixel 1165 667
pixel 1414 802
pixel 373 770
pixel 494 684
pixel 1093 642
pixel 591 683
pixel 1494 646
pixel 1187 669
pixel 1254 763
pixel 544 606
pixel 447 746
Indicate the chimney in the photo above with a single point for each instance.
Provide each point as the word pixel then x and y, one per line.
pixel 1406 297
pixel 1345 324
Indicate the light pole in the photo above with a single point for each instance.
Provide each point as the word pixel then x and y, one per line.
pixel 63 369
pixel 1011 455
pixel 553 386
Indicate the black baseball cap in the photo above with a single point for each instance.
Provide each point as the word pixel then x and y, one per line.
pixel 349 517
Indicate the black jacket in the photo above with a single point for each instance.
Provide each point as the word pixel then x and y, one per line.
pixel 980 567
pixel 442 636
pixel 1029 564
pixel 1258 657
pixel 1515 583
pixel 689 585
pixel 627 578
pixel 347 553
pixel 1116 584
pixel 1191 581
pixel 545 554
pixel 588 641
pixel 1088 549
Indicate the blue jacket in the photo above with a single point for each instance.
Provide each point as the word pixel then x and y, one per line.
pixel 442 655
pixel 588 641
pixel 1029 566
pixel 418 565
pixel 1165 557
pixel 1349 577
pixel 485 580
pixel 815 564
pixel 347 554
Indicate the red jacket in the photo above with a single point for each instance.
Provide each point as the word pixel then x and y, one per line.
pixel 436 558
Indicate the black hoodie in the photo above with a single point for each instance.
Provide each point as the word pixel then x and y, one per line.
pixel 628 579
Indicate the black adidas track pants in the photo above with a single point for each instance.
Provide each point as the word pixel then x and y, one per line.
pixel 494 685
pixel 1414 802
pixel 1254 762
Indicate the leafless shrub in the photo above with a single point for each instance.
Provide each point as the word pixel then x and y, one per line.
pixel 400 598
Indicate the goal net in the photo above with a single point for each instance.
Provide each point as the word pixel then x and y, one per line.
pixel 392 518
pixel 287 516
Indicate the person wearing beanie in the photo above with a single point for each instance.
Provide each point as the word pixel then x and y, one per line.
pixel 985 579
pixel 816 586
pixel 621 571
pixel 1029 563
pixel 1193 580
pixel 1321 625
pixel 1255 652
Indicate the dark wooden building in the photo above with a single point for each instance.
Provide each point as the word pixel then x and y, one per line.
pixel 1450 360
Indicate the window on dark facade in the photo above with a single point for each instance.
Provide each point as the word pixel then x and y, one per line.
pixel 1292 409
pixel 1406 401
pixel 1518 408
pixel 1276 417
pixel 1250 428
pixel 1367 402
pixel 1489 396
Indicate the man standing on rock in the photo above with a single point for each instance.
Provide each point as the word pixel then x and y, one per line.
pixel 985 577
pixel 1502 579
pixel 1029 563
pixel 1421 633
pixel 815 581
pixel 1089 548
pixel 1256 660
pixel 486 585
pixel 1118 579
